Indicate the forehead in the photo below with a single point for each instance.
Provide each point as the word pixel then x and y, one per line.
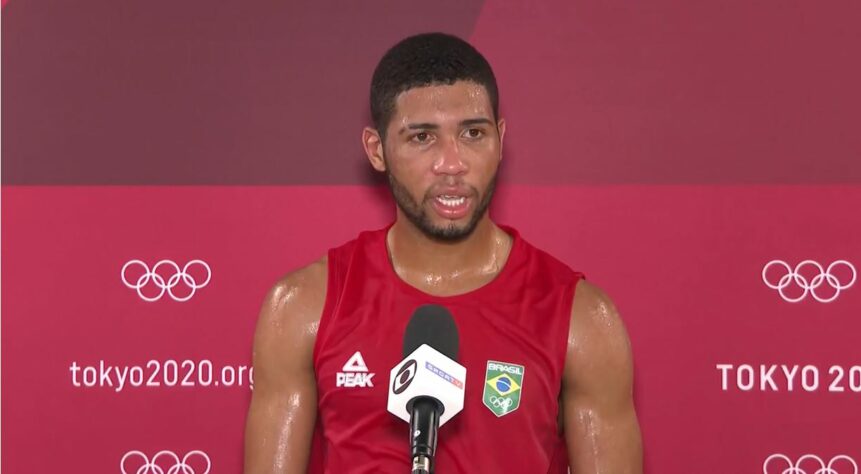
pixel 439 102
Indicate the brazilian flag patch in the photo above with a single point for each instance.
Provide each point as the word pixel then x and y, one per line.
pixel 503 385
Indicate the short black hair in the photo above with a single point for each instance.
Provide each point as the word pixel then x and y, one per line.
pixel 424 60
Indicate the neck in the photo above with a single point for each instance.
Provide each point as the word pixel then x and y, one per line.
pixel 447 267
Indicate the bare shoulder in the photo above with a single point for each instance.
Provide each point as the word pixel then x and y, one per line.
pixel 600 420
pixel 295 293
pixel 290 315
pixel 598 343
pixel 283 404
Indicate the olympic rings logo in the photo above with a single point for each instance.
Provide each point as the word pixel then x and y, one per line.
pixel 824 276
pixel 168 285
pixel 167 462
pixel 810 461
pixel 501 402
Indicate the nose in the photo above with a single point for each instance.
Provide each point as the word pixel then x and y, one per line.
pixel 450 160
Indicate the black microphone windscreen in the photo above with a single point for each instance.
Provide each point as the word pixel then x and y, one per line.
pixel 433 325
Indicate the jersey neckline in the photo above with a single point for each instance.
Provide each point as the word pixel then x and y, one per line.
pixel 513 256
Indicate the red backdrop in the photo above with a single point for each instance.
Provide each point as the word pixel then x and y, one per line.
pixel 699 161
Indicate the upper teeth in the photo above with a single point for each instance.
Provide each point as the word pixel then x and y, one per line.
pixel 451 200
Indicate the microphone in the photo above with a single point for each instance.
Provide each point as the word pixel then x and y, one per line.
pixel 426 389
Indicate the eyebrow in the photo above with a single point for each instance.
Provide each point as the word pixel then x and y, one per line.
pixel 433 126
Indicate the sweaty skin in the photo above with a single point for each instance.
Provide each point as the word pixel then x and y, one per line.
pixel 283 407
pixel 600 423
pixel 442 139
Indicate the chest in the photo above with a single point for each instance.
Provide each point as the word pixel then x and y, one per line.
pixel 513 362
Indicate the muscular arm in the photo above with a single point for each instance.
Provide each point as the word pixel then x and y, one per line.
pixel 283 407
pixel 600 422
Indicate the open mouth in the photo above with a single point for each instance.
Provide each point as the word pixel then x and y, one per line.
pixel 451 206
pixel 451 201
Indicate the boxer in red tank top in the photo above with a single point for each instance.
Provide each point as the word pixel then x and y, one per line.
pixel 548 359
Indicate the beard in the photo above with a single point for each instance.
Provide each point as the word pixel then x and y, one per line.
pixel 417 214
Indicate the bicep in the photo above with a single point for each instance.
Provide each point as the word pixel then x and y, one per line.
pixel 280 427
pixel 600 422
pixel 602 435
pixel 282 413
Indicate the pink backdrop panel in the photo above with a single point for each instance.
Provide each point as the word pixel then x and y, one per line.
pixel 713 343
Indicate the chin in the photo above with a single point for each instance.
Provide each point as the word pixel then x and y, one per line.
pixel 452 230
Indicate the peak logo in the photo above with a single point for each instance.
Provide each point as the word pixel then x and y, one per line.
pixel 165 462
pixel 809 464
pixel 355 373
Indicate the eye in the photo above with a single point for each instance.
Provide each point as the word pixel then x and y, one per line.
pixel 421 137
pixel 474 133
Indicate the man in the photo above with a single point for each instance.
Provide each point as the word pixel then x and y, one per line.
pixel 329 333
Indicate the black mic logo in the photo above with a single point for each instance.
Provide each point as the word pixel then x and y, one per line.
pixel 404 377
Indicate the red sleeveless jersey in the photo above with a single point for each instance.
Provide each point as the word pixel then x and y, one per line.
pixel 513 340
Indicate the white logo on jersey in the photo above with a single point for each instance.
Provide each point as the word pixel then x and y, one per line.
pixel 355 373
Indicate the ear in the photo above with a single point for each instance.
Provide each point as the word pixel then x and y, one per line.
pixel 373 146
pixel 500 127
